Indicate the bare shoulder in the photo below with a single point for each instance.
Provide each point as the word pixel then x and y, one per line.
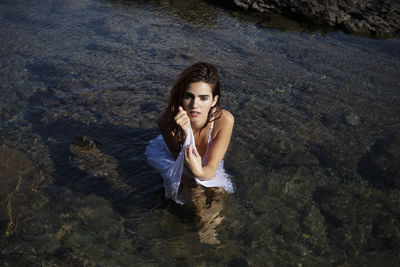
pixel 227 117
pixel 226 121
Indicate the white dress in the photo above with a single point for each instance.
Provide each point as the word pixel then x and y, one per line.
pixel 159 156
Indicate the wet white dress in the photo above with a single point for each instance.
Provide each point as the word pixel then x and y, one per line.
pixel 159 156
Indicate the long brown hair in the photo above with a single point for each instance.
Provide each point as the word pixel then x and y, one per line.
pixel 198 72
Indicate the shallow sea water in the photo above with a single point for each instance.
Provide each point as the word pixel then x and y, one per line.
pixel 314 155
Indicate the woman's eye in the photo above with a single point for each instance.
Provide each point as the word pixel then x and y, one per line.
pixel 203 98
pixel 186 97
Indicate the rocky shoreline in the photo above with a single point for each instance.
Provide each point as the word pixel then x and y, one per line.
pixel 377 18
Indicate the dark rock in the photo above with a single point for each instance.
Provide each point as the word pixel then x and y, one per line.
pixel 237 262
pixel 88 158
pixel 85 143
pixel 324 156
pixel 381 165
pixel 357 217
pixel 329 120
pixel 371 17
pixel 385 230
pixel 351 119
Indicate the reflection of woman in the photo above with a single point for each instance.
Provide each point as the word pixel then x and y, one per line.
pixel 194 113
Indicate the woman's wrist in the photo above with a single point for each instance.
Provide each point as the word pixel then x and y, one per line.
pixel 184 133
pixel 199 174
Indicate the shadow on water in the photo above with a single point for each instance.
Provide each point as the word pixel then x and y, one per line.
pixel 381 165
pixel 116 170
pixel 86 179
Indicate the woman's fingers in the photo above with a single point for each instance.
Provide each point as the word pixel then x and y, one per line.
pixel 193 160
pixel 187 152
pixel 194 151
pixel 191 151
pixel 183 123
pixel 187 157
pixel 182 119
pixel 181 113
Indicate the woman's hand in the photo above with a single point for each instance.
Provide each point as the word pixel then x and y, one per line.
pixel 182 119
pixel 193 160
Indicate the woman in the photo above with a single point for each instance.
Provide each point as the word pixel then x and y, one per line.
pixel 195 131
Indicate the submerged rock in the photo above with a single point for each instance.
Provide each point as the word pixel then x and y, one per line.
pixel 381 165
pixel 85 143
pixel 358 217
pixel 351 119
pixel 371 17
pixel 20 179
pixel 87 157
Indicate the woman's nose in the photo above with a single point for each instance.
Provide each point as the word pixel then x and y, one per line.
pixel 194 102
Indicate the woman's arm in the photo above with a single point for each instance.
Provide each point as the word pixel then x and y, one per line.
pixel 223 127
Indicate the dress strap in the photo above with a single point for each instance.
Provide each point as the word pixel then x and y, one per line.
pixel 209 138
pixel 211 128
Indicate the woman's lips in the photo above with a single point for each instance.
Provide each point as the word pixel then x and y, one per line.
pixel 194 113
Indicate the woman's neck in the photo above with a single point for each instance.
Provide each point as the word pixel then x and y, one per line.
pixel 196 128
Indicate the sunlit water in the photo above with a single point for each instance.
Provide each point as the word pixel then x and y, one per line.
pixel 314 154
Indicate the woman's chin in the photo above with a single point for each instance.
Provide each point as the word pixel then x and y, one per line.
pixel 197 120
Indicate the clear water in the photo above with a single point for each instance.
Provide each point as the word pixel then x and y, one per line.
pixel 314 154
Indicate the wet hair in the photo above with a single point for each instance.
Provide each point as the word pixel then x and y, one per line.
pixel 198 72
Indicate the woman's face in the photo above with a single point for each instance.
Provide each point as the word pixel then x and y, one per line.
pixel 197 101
